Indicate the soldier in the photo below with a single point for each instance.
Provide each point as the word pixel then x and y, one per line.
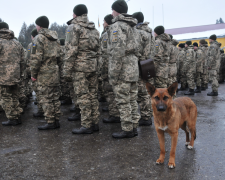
pixel 161 57
pixel 182 67
pixel 204 79
pixel 144 39
pixel 45 57
pixel 172 75
pixel 190 67
pixel 222 67
pixel 123 68
pixel 214 63
pixel 12 66
pixel 200 56
pixel 114 115
pixel 82 46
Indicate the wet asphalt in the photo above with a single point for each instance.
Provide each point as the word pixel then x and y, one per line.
pixel 27 153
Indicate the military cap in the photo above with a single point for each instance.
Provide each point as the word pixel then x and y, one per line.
pixel 221 51
pixel 195 44
pixel 34 32
pixel 62 42
pixel 171 36
pixel 213 37
pixel 108 18
pixel 181 45
pixel 120 6
pixel 203 41
pixel 159 30
pixel 139 16
pixel 4 25
pixel 188 43
pixel 42 21
pixel 80 9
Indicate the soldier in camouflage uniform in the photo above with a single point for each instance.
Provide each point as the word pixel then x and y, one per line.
pixel 200 57
pixel 204 79
pixel 190 67
pixel 44 64
pixel 222 67
pixel 144 39
pixel 82 46
pixel 214 63
pixel 123 68
pixel 161 57
pixel 12 66
pixel 182 67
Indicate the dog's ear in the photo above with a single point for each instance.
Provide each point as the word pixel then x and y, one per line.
pixel 150 89
pixel 172 89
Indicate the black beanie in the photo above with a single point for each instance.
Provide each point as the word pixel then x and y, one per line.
pixel 213 37
pixel 80 9
pixel 34 32
pixel 4 25
pixel 195 44
pixel 42 21
pixel 139 16
pixel 120 6
pixel 159 30
pixel 108 19
pixel 221 51
pixel 62 42
pixel 171 36
pixel 188 43
pixel 181 45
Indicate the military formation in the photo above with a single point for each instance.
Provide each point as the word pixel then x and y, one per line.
pixel 85 69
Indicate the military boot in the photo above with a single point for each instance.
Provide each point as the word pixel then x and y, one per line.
pixel 190 92
pixel 102 99
pixel 124 134
pixel 48 126
pixel 105 109
pixel 11 122
pixel 135 132
pixel 203 87
pixel 143 122
pixel 83 130
pixel 57 123
pixel 73 109
pixel 198 90
pixel 112 119
pixel 212 94
pixel 76 116
pixel 66 101
pixel 35 102
pixel 182 88
pixel 95 127
pixel 38 114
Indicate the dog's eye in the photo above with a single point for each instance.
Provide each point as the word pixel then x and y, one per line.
pixel 165 98
pixel 157 98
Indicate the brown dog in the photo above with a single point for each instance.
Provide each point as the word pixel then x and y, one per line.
pixel 169 116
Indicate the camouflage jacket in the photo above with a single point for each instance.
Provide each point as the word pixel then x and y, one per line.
pixel 103 63
pixel 123 50
pixel 190 57
pixel 162 55
pixel 200 57
pixel 45 57
pixel 145 40
pixel 204 48
pixel 173 58
pixel 214 55
pixel 12 64
pixel 81 46
pixel 181 59
pixel 27 59
pixel 222 62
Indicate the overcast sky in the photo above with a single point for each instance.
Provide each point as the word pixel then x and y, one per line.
pixel 177 13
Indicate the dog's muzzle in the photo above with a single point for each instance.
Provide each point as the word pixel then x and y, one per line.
pixel 161 108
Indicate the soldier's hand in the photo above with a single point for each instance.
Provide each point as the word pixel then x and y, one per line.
pixel 33 79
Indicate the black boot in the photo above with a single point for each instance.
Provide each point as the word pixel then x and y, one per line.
pixel 182 88
pixel 12 122
pixel 212 94
pixel 73 109
pixel 57 124
pixel 135 132
pixel 38 114
pixel 35 102
pixel 102 99
pixel 75 117
pixel 123 134
pixel 95 127
pixel 48 126
pixel 190 92
pixel 83 130
pixel 143 122
pixel 198 90
pixel 105 109
pixel 112 119
pixel 203 88
pixel 66 101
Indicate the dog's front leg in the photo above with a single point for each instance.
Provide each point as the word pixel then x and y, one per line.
pixel 161 138
pixel 174 137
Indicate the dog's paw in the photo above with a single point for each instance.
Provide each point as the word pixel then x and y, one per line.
pixel 171 165
pixel 159 161
pixel 190 147
pixel 187 143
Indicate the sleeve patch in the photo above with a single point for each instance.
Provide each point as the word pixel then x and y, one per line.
pixel 115 32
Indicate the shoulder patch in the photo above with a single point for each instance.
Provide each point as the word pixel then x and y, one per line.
pixel 115 32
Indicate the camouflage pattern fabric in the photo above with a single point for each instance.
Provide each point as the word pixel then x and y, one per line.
pixel 222 68
pixel 200 57
pixel 182 68
pixel 205 74
pixel 44 63
pixel 34 87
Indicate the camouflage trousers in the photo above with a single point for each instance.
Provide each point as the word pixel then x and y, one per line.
pixel 65 89
pixel 205 76
pixel 10 101
pixel 171 80
pixel 144 100
pixel 110 98
pixel 126 100
pixel 23 94
pixel 85 89
pixel 221 74
pixel 183 79
pixel 101 91
pixel 49 101
pixel 159 82
pixel 72 94
pixel 198 79
pixel 191 71
pixel 214 80
pixel 34 86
